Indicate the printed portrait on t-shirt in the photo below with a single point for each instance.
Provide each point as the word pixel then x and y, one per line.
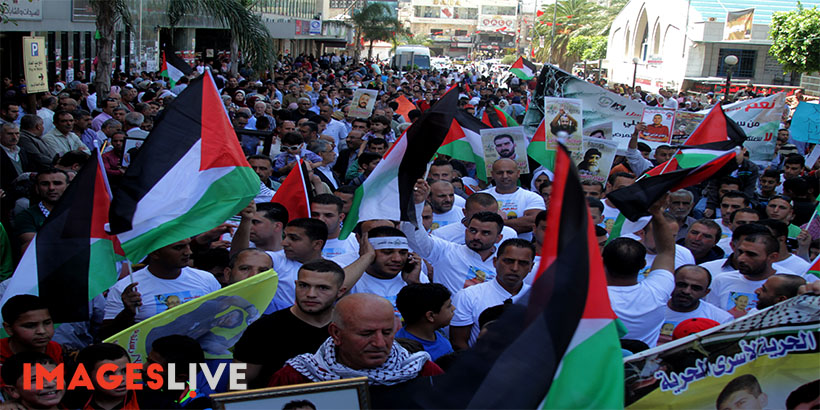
pixel 739 303
pixel 666 332
pixel 476 276
pixel 168 300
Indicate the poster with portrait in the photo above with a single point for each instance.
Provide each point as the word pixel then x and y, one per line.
pixel 659 123
pixel 685 125
pixel 564 121
pixel 508 142
pixel 763 360
pixel 595 158
pixel 363 102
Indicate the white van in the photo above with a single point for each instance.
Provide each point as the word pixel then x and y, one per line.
pixel 404 55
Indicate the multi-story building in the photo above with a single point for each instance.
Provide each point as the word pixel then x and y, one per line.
pixel 462 28
pixel 682 44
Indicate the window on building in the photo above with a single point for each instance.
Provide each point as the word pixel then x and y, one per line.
pixel 436 32
pixel 498 10
pixel 745 67
pixel 461 33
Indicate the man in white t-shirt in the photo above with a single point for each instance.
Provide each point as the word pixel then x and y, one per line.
pixel 786 260
pixel 737 218
pixel 730 201
pixel 641 306
pixel 691 285
pixel 647 237
pixel 517 205
pixel 614 182
pixel 304 240
pixel 393 268
pixel 735 291
pixel 512 264
pixel 261 224
pixel 166 282
pixel 328 209
pixel 456 266
pixel 441 200
pixel 477 202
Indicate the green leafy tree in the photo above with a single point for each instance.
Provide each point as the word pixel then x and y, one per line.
pixel 373 23
pixel 795 42
pixel 587 47
pixel 248 33
pixel 574 18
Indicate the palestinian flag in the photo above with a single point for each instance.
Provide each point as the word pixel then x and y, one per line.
pixel 523 69
pixel 388 192
pixel 463 142
pixel 558 346
pixel 72 259
pixel 715 136
pixel 634 201
pixel 174 68
pixel 497 118
pixel 814 269
pixel 295 193
pixel 190 175
pixel 537 149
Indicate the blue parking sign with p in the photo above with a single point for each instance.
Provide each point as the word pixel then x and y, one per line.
pixel 35 49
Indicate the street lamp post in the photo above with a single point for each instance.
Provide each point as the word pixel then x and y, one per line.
pixel 730 61
pixel 635 61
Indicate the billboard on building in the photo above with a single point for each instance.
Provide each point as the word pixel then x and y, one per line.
pixel 739 25
pixel 487 22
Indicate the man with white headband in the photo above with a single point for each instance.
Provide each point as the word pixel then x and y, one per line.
pixel 393 268
pixel 456 266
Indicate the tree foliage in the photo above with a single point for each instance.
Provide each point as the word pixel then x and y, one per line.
pixel 587 47
pixel 795 39
pixel 375 22
pixel 574 18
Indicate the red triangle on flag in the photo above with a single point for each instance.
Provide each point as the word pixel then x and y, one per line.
pixel 539 13
pixel 99 212
pixel 220 147
pixel 711 129
pixel 293 194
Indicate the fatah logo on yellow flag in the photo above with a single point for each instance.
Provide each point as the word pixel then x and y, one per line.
pixel 216 320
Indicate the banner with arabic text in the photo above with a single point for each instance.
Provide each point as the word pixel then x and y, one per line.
pixel 768 359
pixel 216 320
pixel 760 119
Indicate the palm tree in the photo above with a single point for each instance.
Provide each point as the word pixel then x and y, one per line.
pixel 248 33
pixel 375 22
pixel 574 18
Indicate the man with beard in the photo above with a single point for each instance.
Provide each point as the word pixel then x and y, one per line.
pixel 457 266
pixel 49 186
pixel 691 285
pixel 303 326
pixel 735 291
pixel 442 199
pixel 777 289
pixel 504 146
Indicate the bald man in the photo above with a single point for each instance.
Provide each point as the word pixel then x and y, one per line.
pixel 518 205
pixel 360 344
pixel 777 289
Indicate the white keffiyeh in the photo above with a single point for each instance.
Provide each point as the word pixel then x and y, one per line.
pixel 400 366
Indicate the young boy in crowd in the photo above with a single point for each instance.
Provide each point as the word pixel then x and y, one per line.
pixel 426 308
pixel 49 397
pixel 95 356
pixel 28 323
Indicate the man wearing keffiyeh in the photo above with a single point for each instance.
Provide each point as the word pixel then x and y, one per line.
pixel 360 344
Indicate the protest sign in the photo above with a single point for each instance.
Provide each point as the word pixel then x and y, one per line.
pixel 772 353
pixel 363 102
pixel 599 105
pixel 760 119
pixel 595 159
pixel 659 123
pixel 806 123
pixel 564 121
pixel 506 142
pixel 216 320
pixel 685 124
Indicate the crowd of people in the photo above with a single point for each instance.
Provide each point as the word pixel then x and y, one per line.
pixel 391 302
